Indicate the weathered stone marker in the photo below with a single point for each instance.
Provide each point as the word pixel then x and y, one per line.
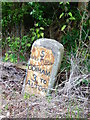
pixel 43 65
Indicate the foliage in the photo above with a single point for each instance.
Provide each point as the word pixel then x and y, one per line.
pixel 66 13
pixel 19 47
pixel 74 28
pixel 36 32
pixel 38 12
pixel 67 16
pixel 13 13
pixel 76 42
pixel 70 39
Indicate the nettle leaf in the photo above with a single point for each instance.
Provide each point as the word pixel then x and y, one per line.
pixel 61 15
pixel 70 14
pixel 64 26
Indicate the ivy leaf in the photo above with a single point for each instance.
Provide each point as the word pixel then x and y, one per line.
pixel 70 14
pixel 64 26
pixel 61 15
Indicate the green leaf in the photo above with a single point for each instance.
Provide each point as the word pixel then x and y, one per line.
pixel 41 28
pixel 67 3
pixel 22 57
pixel 61 3
pixel 6 56
pixel 37 30
pixel 13 57
pixel 64 26
pixel 22 43
pixel 36 25
pixel 85 81
pixel 70 14
pixel 61 15
pixel 9 51
pixel 72 18
pixel 38 35
pixel 11 60
pixel 28 45
pixel 42 34
pixel 32 39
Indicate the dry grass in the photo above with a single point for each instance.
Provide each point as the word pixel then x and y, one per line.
pixel 69 99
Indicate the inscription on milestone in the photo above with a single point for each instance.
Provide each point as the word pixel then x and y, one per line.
pixel 43 66
pixel 39 70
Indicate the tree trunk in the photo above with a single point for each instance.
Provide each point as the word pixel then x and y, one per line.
pixel 22 24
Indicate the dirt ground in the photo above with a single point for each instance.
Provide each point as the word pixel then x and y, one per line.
pixel 16 105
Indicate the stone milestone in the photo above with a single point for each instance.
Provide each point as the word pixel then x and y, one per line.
pixel 43 66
